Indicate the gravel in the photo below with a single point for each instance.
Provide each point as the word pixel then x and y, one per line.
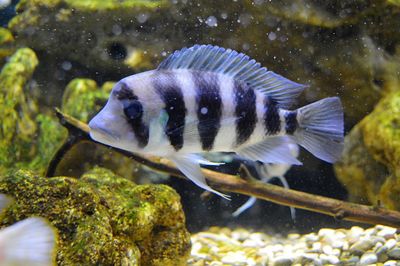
pixel 379 245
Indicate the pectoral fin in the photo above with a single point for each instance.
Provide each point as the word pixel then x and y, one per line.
pixel 156 130
pixel 189 166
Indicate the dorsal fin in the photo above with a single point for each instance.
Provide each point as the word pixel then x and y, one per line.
pixel 237 65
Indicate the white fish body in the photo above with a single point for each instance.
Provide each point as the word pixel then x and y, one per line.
pixel 28 242
pixel 209 99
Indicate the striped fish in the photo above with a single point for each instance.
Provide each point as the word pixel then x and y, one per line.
pixel 210 99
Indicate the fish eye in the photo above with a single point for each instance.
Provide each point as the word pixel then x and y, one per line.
pixel 133 109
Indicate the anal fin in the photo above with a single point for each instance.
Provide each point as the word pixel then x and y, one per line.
pixel 272 150
pixel 189 166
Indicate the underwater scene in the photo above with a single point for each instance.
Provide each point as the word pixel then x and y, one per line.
pixel 178 132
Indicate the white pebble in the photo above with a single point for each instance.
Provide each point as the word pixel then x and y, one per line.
pixel 327 249
pixel 240 234
pixel 317 246
pixel 390 263
pixel 326 232
pixel 368 258
pixel 234 257
pixel 387 232
pixel 355 233
pixel 253 243
pixel 293 236
pixel 257 237
pixel 370 231
pixel 311 237
pixel 390 243
pixel 196 247
pixel 276 248
pixel 338 244
pixel 283 260
pixel 329 259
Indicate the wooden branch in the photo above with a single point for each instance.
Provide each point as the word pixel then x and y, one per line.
pixel 339 209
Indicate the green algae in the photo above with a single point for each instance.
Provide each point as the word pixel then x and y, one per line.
pixel 5 36
pixel 18 127
pixel 6 40
pixel 95 5
pixel 27 139
pixel 102 218
pixel 49 137
pixel 82 98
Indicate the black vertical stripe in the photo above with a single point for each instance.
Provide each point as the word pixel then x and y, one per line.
pixel 132 104
pixel 245 111
pixel 209 107
pixel 291 122
pixel 166 86
pixel 123 92
pixel 271 116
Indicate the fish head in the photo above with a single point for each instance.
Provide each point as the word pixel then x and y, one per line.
pixel 121 123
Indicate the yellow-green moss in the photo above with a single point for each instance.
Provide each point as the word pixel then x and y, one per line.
pixel 103 219
pixel 6 39
pixel 27 140
pixel 370 167
pixel 382 131
pixel 18 126
pixel 394 2
pixel 82 98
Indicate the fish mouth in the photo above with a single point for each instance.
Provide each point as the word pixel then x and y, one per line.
pixel 98 133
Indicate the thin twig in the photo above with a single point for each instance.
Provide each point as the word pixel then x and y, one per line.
pixel 339 209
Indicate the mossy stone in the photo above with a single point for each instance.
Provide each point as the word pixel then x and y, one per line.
pixel 6 41
pixel 82 98
pixel 370 167
pixel 18 126
pixel 27 139
pixel 103 219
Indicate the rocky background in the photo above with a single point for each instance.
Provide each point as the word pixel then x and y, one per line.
pixel 68 53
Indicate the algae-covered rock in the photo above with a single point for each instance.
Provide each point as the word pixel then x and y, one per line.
pixel 82 98
pixel 27 139
pixel 103 219
pixel 6 40
pixel 370 167
pixel 17 120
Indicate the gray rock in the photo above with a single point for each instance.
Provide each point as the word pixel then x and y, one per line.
pixel 361 246
pixel 394 253
pixel 381 252
pixel 282 261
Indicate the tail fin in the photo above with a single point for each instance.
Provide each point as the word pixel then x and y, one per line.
pixel 28 242
pixel 320 128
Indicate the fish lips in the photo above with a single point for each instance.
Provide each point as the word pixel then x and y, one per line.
pixel 101 133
